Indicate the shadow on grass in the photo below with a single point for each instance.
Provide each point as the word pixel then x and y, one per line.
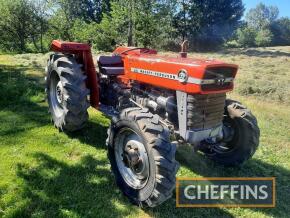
pixel 16 104
pixel 198 164
pixel 28 114
pixel 56 189
pixel 94 134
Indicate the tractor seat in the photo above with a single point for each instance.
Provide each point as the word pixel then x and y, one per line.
pixel 112 71
pixel 111 65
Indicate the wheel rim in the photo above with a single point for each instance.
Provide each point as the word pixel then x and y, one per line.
pixel 56 94
pixel 131 158
pixel 59 92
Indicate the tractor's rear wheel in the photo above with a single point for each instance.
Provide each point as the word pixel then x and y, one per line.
pixel 66 92
pixel 142 157
pixel 241 136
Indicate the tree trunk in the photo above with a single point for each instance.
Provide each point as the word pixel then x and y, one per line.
pixel 41 36
pixel 130 34
pixel 35 43
pixel 130 27
pixel 184 19
pixel 22 41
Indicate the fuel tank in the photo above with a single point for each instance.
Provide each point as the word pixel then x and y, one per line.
pixel 190 75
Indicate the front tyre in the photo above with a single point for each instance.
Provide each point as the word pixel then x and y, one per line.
pixel 240 136
pixel 142 157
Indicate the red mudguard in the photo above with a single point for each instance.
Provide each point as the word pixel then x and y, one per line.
pixel 84 56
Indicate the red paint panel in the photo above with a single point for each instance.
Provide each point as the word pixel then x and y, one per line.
pixel 194 67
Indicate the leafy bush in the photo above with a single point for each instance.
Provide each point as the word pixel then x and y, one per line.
pixel 281 31
pixel 264 37
pixel 232 44
pixel 246 36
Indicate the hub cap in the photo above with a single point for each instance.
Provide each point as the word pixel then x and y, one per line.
pixel 59 92
pixel 131 158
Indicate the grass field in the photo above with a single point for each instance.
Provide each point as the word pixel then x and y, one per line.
pixel 44 173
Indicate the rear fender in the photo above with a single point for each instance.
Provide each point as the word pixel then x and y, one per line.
pixel 84 56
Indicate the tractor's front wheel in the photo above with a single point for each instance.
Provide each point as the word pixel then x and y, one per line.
pixel 66 92
pixel 240 136
pixel 142 157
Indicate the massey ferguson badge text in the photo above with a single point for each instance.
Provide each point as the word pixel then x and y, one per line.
pixel 192 192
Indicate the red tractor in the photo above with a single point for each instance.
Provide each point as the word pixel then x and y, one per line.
pixel 153 100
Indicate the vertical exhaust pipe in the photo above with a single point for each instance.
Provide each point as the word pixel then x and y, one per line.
pixel 184 47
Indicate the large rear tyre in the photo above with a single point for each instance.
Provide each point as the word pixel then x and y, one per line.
pixel 66 92
pixel 142 157
pixel 241 136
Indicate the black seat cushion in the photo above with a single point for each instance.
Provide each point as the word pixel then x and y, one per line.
pixel 111 65
pixel 110 61
pixel 112 71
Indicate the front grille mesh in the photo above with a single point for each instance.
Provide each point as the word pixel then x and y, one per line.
pixel 218 73
pixel 205 111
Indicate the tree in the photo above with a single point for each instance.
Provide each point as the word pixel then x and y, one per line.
pixel 262 16
pixel 264 37
pixel 182 19
pixel 263 20
pixel 87 10
pixel 164 11
pixel 208 22
pixel 66 12
pixel 122 20
pixel 281 31
pixel 30 25
pixel 138 22
pixel 149 23
pixel 40 23
pixel 246 36
pixel 16 17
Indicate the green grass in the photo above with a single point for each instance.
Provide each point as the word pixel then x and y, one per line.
pixel 44 173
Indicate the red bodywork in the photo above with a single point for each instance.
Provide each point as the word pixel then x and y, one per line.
pixel 148 60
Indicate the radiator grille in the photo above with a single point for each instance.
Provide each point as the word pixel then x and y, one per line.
pixel 218 73
pixel 205 111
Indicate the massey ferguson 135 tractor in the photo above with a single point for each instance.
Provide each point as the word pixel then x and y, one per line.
pixel 154 100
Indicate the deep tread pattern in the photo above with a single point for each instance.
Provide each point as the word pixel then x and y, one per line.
pixel 248 139
pixel 75 103
pixel 163 151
